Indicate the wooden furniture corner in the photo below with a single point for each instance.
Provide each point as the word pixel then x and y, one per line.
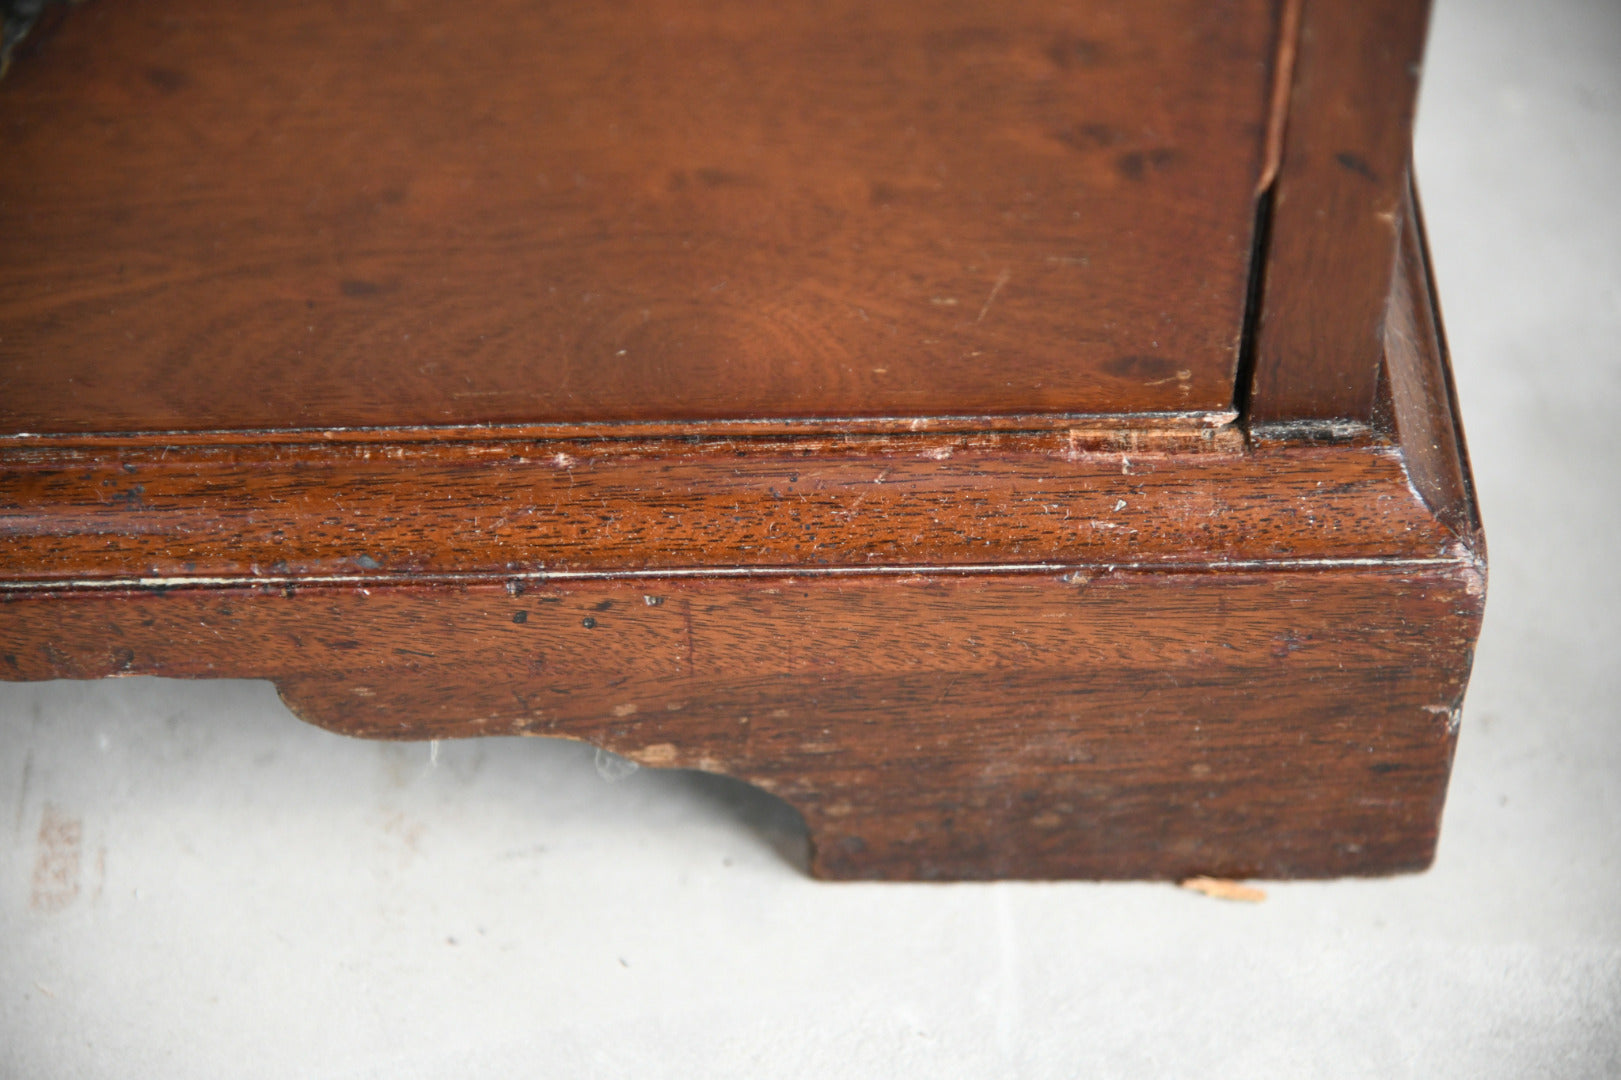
pixel 1021 438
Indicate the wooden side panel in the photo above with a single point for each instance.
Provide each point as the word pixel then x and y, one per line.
pixel 1122 725
pixel 294 214
pixel 1336 211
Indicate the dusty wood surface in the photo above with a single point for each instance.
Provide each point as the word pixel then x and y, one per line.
pixel 289 215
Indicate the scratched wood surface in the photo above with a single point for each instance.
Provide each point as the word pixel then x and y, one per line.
pixel 403 513
pixel 1120 724
pixel 1006 655
pixel 269 215
pixel 840 397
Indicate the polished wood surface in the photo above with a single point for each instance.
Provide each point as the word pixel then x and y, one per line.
pixel 1336 208
pixel 299 215
pixel 369 513
pixel 1422 396
pixel 1103 724
pixel 1019 436
pixel 1103 654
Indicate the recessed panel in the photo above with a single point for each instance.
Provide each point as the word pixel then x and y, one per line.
pixel 316 214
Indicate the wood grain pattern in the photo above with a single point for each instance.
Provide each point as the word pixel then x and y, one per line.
pixel 839 397
pixel 379 513
pixel 264 215
pixel 1336 211
pixel 1128 724
pixel 1271 689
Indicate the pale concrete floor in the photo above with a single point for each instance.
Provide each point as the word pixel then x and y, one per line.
pixel 259 898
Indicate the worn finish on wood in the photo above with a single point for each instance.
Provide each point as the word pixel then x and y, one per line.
pixel 288 215
pixel 1336 210
pixel 402 512
pixel 1257 673
pixel 840 397
pixel 1093 724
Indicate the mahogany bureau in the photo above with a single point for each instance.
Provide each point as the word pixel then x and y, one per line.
pixel 1018 435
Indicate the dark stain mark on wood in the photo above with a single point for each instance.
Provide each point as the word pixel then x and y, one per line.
pixel 1137 164
pixel 711 177
pixel 359 289
pixel 1076 53
pixel 1357 164
pixel 1143 367
pixel 167 80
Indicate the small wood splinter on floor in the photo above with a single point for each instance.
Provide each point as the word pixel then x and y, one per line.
pixel 1222 889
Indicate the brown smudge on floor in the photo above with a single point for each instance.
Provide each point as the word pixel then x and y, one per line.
pixel 56 861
